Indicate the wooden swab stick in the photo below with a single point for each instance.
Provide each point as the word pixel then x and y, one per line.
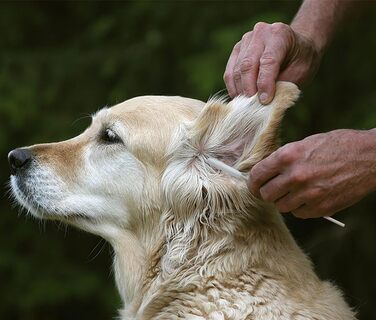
pixel 215 163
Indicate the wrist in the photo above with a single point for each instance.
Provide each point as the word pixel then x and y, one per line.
pixel 318 42
pixel 317 20
pixel 360 153
pixel 368 142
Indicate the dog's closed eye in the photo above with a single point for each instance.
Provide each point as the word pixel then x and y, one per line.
pixel 109 136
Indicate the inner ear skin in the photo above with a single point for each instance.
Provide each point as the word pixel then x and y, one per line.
pixel 242 132
pixel 232 152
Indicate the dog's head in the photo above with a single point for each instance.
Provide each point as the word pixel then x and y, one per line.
pixel 147 155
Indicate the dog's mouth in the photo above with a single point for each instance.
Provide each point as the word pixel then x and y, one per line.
pixel 39 204
pixel 23 196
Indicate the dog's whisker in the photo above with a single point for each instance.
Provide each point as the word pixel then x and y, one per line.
pixel 100 242
pixel 85 116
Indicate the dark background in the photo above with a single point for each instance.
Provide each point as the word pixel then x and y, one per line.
pixel 59 62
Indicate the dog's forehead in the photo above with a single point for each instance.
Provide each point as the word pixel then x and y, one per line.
pixel 150 110
pixel 156 109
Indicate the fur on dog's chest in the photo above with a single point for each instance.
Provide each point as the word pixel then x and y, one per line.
pixel 236 298
pixel 247 296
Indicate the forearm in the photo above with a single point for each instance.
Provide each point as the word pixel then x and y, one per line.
pixel 370 144
pixel 318 19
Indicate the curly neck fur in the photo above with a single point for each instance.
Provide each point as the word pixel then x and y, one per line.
pixel 191 250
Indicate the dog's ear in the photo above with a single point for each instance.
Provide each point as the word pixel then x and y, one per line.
pixel 239 133
pixel 243 131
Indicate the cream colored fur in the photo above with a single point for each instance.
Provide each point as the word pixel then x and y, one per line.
pixel 190 242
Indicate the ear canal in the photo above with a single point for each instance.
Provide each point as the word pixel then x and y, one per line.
pixel 243 131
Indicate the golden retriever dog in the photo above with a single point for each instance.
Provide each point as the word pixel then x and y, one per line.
pixel 190 241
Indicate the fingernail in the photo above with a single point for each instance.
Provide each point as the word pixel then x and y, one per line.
pixel 264 97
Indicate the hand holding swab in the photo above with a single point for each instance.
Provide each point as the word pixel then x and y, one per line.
pixel 215 163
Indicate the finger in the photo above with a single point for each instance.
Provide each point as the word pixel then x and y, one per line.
pixel 290 202
pixel 229 72
pixel 248 64
pixel 306 211
pixel 238 81
pixel 244 45
pixel 318 209
pixel 275 188
pixel 262 172
pixel 270 65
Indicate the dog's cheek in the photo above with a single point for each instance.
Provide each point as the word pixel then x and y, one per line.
pixel 116 176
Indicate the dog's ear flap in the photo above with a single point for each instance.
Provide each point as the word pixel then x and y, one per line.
pixel 239 133
pixel 243 131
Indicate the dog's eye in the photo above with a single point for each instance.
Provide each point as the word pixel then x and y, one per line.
pixel 110 136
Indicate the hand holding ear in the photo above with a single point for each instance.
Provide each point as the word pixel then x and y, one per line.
pixel 319 175
pixel 268 53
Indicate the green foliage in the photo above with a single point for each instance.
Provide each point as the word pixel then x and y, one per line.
pixel 62 61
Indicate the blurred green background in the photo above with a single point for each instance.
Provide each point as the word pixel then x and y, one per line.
pixel 61 61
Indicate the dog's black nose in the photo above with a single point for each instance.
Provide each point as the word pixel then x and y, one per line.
pixel 17 158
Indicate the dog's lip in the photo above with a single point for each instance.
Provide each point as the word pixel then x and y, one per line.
pixel 28 202
pixel 16 178
pixel 37 210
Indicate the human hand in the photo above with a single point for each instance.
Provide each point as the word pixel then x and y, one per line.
pixel 269 53
pixel 319 175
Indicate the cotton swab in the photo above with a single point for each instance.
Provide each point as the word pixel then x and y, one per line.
pixel 215 163
pixel 338 223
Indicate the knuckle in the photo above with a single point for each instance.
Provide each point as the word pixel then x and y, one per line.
pixel 246 36
pixel 286 154
pixel 262 83
pixel 268 59
pixel 247 65
pixel 227 76
pixel 290 152
pixel 259 26
pixel 254 175
pixel 314 194
pixel 279 27
pixel 237 46
pixel 265 194
pixel 237 75
pixel 297 176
